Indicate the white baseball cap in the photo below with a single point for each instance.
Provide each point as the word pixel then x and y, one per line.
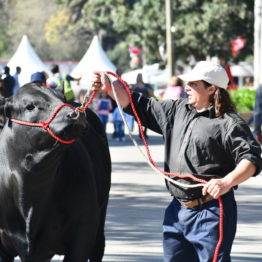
pixel 208 71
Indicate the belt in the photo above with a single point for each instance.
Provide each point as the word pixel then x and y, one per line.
pixel 195 202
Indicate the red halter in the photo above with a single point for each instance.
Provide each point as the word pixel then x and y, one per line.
pixel 45 124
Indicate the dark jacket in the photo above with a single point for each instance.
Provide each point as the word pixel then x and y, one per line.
pixel 8 85
pixel 197 143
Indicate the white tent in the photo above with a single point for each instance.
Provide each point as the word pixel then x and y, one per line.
pixel 151 74
pixel 95 59
pixel 28 60
pixel 242 69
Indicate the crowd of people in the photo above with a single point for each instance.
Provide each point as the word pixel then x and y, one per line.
pixel 106 107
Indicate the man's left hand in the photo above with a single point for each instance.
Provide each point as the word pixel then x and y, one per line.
pixel 215 188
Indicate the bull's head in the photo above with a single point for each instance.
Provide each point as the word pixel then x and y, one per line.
pixel 34 104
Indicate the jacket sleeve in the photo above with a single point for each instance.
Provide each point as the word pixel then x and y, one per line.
pixel 153 114
pixel 241 144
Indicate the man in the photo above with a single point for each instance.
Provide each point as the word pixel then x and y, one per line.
pixel 38 78
pixel 258 115
pixel 203 136
pixel 59 79
pixel 16 78
pixel 8 83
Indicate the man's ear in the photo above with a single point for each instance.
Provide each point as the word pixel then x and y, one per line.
pixel 212 89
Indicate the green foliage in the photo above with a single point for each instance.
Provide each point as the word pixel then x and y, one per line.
pixel 3 43
pixel 62 29
pixel 206 28
pixel 244 99
pixel 203 27
pixel 119 56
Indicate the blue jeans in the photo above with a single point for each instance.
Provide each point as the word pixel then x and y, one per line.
pixel 104 120
pixel 119 129
pixel 191 234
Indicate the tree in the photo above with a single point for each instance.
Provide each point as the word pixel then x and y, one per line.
pixel 34 19
pixel 62 29
pixel 206 28
pixel 3 25
pixel 203 27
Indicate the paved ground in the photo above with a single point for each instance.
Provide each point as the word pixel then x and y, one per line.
pixel 137 201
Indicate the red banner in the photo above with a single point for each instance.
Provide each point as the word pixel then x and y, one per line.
pixel 237 44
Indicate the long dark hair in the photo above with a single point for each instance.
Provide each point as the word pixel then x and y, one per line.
pixel 221 100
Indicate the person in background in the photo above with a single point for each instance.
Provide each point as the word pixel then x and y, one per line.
pixel 130 121
pixel 59 79
pixel 1 85
pixel 119 125
pixel 2 118
pixel 145 90
pixel 258 115
pixel 8 83
pixel 16 77
pixel 114 104
pixel 104 106
pixel 204 136
pixel 175 89
pixel 45 74
pixel 38 78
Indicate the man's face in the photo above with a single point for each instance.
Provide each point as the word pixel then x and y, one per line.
pixel 198 94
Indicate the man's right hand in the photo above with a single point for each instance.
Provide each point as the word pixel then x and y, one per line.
pixel 100 82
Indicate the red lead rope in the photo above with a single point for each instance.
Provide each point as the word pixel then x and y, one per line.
pixel 45 125
pixel 173 174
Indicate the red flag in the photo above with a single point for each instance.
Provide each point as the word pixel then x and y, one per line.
pixel 237 44
pixel 133 50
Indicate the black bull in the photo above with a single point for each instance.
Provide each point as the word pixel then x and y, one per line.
pixel 53 196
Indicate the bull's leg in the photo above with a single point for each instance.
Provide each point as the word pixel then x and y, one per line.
pixel 76 255
pixel 4 256
pixel 81 243
pixel 99 248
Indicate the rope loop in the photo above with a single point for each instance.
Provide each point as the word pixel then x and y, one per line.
pixel 44 125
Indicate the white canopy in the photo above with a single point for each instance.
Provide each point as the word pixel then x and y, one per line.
pixel 151 74
pixel 95 59
pixel 28 60
pixel 242 69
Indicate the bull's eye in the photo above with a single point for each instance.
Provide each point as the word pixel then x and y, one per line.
pixel 30 107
